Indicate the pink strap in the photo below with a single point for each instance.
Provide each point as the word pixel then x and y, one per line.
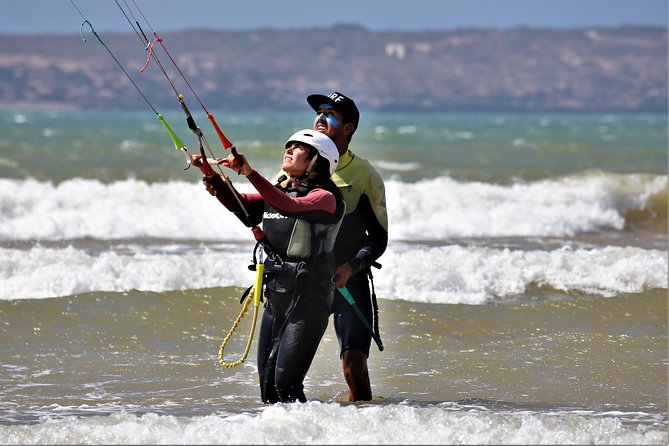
pixel 150 47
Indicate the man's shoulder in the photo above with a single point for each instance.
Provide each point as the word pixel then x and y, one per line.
pixel 358 176
pixel 363 166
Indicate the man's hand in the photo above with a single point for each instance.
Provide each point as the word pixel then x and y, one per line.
pixel 342 274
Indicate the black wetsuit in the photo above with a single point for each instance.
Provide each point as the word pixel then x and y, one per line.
pixel 298 272
pixel 362 238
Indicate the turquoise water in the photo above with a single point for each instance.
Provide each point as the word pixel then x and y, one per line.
pixel 496 148
pixel 523 295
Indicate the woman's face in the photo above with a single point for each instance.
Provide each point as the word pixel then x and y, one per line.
pixel 295 159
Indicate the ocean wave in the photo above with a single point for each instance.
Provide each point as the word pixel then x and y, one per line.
pixel 441 208
pixel 325 423
pixel 476 275
pixel 52 272
pixel 79 208
pixel 433 209
pixel 433 274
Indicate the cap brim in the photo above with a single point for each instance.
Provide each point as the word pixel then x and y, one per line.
pixel 316 100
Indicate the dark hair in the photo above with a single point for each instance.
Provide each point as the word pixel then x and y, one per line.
pixel 322 166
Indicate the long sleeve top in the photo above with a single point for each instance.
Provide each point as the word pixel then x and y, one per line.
pixel 318 205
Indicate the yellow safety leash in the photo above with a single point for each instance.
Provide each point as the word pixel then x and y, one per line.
pixel 256 292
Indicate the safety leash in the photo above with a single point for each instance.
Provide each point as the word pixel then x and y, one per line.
pixel 254 294
pixel 375 335
pixel 375 305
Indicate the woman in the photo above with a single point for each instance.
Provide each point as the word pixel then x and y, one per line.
pixel 300 216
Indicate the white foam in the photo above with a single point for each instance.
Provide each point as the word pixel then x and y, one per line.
pixel 79 208
pixel 181 214
pixel 20 118
pixel 397 167
pixel 474 275
pixel 50 272
pixel 440 208
pixel 442 274
pixel 323 423
pixel 435 209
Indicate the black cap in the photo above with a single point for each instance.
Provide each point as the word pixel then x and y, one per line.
pixel 343 104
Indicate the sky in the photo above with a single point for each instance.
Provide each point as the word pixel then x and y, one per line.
pixel 60 16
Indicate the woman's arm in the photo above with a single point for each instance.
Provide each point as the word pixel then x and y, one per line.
pixel 252 204
pixel 317 200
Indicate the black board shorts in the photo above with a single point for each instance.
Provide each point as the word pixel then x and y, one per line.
pixel 350 330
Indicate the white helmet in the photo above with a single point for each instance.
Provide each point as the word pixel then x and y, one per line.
pixel 325 146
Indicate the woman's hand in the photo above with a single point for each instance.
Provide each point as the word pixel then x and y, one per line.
pixel 196 160
pixel 210 185
pixel 238 163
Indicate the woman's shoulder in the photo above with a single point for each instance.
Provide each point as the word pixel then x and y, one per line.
pixel 328 185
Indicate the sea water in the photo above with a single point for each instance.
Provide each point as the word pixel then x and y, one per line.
pixel 522 297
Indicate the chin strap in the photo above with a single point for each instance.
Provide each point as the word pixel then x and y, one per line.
pixel 308 173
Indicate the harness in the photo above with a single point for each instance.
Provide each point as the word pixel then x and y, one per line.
pixel 301 253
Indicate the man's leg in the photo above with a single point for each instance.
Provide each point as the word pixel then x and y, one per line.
pixel 354 363
pixel 354 338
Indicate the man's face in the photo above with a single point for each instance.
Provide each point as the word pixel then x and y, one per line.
pixel 328 121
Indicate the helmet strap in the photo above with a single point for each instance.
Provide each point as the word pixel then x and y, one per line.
pixel 308 173
pixel 311 165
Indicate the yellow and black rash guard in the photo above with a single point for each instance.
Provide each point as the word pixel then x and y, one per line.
pixel 363 235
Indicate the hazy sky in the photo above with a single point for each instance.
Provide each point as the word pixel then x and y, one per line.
pixel 34 16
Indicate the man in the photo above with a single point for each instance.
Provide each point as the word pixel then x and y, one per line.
pixel 362 237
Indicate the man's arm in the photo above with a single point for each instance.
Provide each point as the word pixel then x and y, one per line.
pixel 377 238
pixel 372 206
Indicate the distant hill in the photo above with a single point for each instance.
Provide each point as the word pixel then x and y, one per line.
pixel 521 69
